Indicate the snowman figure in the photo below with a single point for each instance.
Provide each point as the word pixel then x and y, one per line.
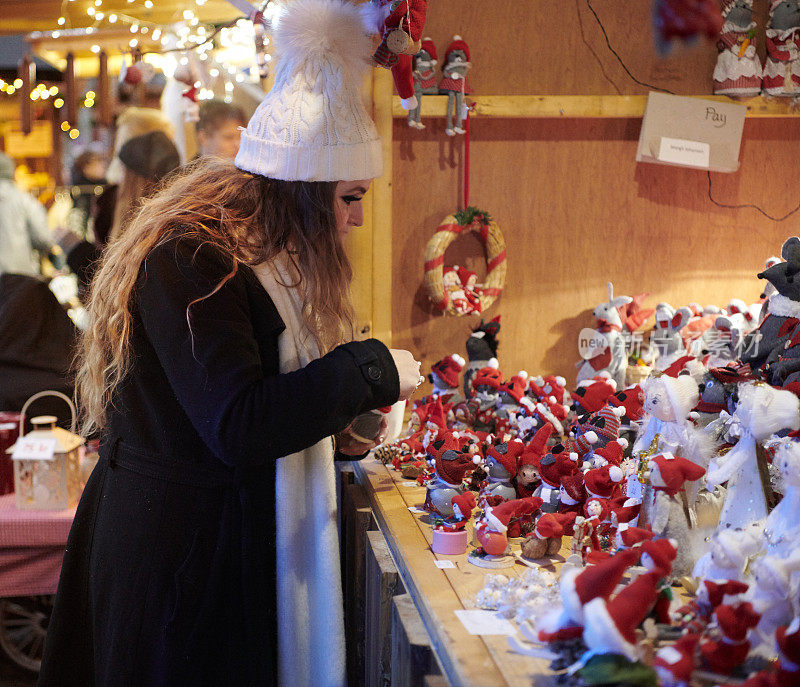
pixel 454 84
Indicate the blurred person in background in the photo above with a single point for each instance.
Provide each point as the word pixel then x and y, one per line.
pixel 144 153
pixel 218 129
pixel 88 171
pixel 23 226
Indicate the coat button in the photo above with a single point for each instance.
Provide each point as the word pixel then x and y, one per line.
pixel 374 373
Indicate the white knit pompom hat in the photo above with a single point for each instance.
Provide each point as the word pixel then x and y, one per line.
pixel 312 125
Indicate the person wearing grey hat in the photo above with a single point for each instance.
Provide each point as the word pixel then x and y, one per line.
pixel 23 225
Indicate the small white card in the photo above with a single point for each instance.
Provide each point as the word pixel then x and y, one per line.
pixel 680 152
pixel 479 622
pixel 633 488
pixel 444 564
pixel 409 484
pixel 420 511
pixel 34 449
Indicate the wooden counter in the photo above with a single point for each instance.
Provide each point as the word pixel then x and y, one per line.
pixel 466 659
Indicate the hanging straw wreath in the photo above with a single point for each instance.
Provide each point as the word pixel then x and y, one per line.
pixel 480 222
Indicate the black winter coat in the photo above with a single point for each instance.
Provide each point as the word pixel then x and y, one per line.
pixel 169 572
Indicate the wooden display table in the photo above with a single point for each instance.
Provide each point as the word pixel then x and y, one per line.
pixel 468 660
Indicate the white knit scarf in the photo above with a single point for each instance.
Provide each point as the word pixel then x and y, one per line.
pixel 310 615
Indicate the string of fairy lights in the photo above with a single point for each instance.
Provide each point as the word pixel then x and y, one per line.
pixel 230 53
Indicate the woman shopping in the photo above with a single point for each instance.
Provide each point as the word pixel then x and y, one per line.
pixel 221 373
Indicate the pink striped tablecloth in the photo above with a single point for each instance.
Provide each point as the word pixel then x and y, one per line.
pixel 31 548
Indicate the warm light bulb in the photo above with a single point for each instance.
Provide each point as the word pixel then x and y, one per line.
pixel 90 11
pixel 156 34
pixel 53 90
pixel 134 28
pixel 58 102
pixel 148 4
pixel 91 95
pixel 34 95
pixel 97 3
pixel 64 125
pixel 44 95
pixel 61 21
pixel 74 134
pixel 112 18
pixel 10 90
pixel 214 73
pixel 133 42
pixel 144 29
pixel 55 34
pixel 95 48
pixel 17 83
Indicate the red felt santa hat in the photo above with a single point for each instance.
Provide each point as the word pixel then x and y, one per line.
pixel 556 464
pixel 579 587
pixel 788 639
pixel 536 447
pixel 497 517
pixel 632 399
pixel 612 452
pixel 676 662
pixel 556 387
pixel 633 536
pixel 716 592
pixel 488 376
pixel 658 554
pixel 437 413
pixel 463 505
pixel 735 621
pixel 626 513
pixel 429 47
pixel 675 471
pixel 596 507
pixel 552 525
pixel 464 274
pixel 449 368
pixel 515 387
pixel 507 454
pixel 601 482
pixel 616 620
pixel 457 43
pixel 592 395
pixel 573 488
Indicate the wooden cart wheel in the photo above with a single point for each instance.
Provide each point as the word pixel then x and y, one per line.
pixel 487 229
pixel 23 627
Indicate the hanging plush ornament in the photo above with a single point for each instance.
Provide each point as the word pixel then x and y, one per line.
pixel 685 20
pixel 424 80
pixel 439 288
pixel 400 26
pixel 454 84
pixel 738 71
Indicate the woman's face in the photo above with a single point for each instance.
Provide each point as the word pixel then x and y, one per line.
pixel 347 205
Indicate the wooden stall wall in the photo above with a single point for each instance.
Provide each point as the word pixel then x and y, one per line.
pixel 575 208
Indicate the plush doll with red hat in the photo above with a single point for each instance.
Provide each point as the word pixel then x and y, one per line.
pixel 454 83
pixel 668 513
pixel 734 623
pixel 674 664
pixel 597 513
pixel 695 615
pixel 545 540
pixel 463 504
pixel 491 531
pixel 658 556
pixel 610 454
pixel 482 346
pixel 578 587
pixel 444 376
pixel 528 468
pixel 501 462
pixel 571 493
pixel 401 36
pixel 484 392
pixel 508 403
pixel 610 626
pixel 603 482
pixel 452 462
pixel 424 76
pixel 629 537
pixel 552 467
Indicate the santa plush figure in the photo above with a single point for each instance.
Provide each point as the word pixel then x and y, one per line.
pixel 407 16
pixel 572 493
pixel 730 651
pixel 674 664
pixel 602 483
pixel 463 505
pixel 493 527
pixel 592 394
pixel 695 615
pixel 578 588
pixel 629 537
pixel 528 468
pixel 552 467
pixel 657 556
pixel 610 626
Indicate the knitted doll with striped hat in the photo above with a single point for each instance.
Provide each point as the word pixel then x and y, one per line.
pixel 424 76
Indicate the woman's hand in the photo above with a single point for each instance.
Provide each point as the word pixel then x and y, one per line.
pixel 349 445
pixel 408 370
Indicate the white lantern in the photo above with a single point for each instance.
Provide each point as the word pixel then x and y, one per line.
pixel 46 461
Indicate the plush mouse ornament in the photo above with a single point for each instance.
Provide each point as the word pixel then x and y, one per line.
pixel 666 337
pixel 452 463
pixel 454 83
pixel 492 529
pixel 552 468
pixel 728 652
pixel 484 392
pixel 481 346
pixel 528 468
pixel 684 20
pixel 782 68
pixel 592 394
pixel 424 75
pixel 445 375
pixel 502 463
pixel 545 540
pixel 763 346
pixel 738 71
pixel 613 357
pixel 728 553
pixel 401 37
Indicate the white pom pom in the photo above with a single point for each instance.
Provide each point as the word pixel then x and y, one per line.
pixel 538 381
pixel 458 359
pixel 552 399
pixel 456 435
pixel 573 457
pixel 604 374
pixel 522 375
pixel 409 103
pixel 622 441
pixel 561 381
pixel 494 363
pixel 591 437
pixel 619 411
pixel 476 459
pixel 457 37
pixel 615 474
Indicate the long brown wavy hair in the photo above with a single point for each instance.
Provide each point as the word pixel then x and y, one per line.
pixel 249 218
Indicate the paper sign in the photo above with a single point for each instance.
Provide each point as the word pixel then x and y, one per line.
pixel 633 488
pixel 485 623
pixel 688 153
pixel 34 449
pixel 414 509
pixel 409 484
pixel 444 564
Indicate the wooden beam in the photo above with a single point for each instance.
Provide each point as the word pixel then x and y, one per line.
pixel 70 91
pixel 557 106
pixel 26 71
pixel 103 95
